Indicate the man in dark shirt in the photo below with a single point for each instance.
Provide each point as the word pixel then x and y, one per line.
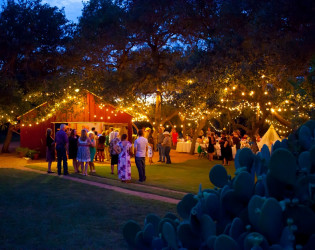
pixel 160 139
pixel 61 140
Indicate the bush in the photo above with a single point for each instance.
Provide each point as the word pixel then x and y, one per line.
pixel 31 153
pixel 269 204
pixel 22 151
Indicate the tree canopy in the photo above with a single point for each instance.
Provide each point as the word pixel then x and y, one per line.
pixel 247 63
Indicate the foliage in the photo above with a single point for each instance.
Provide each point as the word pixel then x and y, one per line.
pixel 32 46
pixel 22 150
pixel 268 203
pixel 31 153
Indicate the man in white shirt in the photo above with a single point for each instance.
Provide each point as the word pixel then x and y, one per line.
pixel 111 134
pixel 141 147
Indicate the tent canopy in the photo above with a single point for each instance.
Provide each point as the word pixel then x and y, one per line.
pixel 269 138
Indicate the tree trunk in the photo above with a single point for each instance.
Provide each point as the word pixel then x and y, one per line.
pixel 7 141
pixel 158 107
pixel 183 129
pixel 135 126
pixel 201 124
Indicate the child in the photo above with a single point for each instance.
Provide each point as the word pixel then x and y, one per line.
pixel 150 152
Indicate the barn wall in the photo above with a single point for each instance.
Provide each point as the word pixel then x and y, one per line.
pixel 90 110
pixel 34 137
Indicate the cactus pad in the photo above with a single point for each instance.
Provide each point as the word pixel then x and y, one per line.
pixel 188 239
pixel 305 137
pixel 270 220
pixel 224 242
pixel 208 227
pixel 218 176
pixel 185 205
pixel 243 185
pixel 237 228
pixel 283 166
pixel 130 230
pixel 154 220
pixel 169 235
pixel 246 158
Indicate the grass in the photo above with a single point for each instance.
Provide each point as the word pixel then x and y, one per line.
pixel 184 177
pixel 44 212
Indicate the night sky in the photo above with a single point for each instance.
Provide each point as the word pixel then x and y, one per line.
pixel 73 8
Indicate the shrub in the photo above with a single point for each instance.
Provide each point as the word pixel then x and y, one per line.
pixel 274 212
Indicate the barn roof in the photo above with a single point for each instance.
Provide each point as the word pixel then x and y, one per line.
pixel 87 91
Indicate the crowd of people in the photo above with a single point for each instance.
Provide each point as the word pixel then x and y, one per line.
pixel 90 146
pixel 226 142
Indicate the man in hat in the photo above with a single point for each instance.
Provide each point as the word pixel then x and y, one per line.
pixel 167 143
pixel 141 148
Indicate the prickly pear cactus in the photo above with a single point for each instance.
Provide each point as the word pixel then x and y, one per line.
pixel 269 204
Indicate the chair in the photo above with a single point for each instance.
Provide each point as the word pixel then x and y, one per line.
pixel 202 152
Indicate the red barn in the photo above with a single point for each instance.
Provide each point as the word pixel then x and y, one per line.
pixel 90 111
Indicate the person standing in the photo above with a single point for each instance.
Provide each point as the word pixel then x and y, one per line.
pixel 150 152
pixel 228 150
pixel 167 146
pixel 124 165
pixel 107 153
pixel 84 155
pixel 223 148
pixel 101 146
pixel 96 157
pixel 50 149
pixel 111 134
pixel 160 139
pixel 147 132
pixel 73 149
pixel 141 147
pixel 114 151
pixel 62 142
pixel 212 142
pixel 209 132
pixel 174 137
pixel 92 151
pixel 236 140
pixel 150 137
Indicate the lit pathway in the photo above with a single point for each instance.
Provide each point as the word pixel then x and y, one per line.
pixel 11 161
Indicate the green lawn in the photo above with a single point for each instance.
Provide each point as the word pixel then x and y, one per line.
pixel 43 212
pixel 184 177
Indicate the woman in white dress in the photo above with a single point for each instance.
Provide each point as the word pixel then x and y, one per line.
pixel 83 155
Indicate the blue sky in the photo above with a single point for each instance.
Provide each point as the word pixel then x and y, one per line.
pixel 73 8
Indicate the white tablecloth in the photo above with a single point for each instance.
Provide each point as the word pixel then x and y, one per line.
pixel 185 147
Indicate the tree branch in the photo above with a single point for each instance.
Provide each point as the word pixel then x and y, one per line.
pixel 242 127
pixel 175 113
pixel 281 119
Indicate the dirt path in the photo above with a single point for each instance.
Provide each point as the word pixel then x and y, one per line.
pixel 11 161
